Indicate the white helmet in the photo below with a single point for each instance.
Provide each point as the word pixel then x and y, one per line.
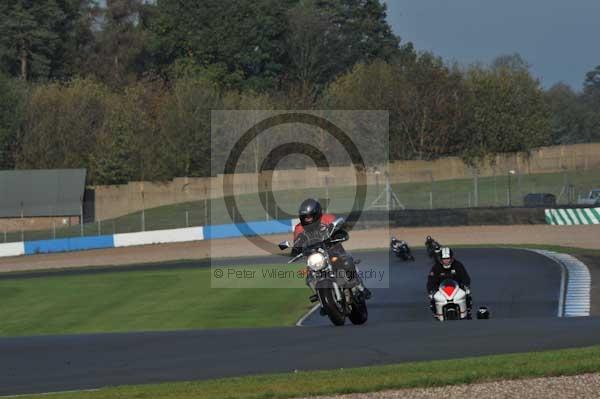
pixel 446 257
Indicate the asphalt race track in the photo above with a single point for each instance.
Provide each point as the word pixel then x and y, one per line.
pixel 500 279
pixel 521 288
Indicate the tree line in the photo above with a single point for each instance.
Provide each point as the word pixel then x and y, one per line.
pixel 125 88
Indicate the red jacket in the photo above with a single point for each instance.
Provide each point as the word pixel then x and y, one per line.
pixel 326 219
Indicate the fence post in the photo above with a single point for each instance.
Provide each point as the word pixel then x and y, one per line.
pixel 143 210
pixel 431 200
pixel 205 211
pixel 267 206
pixel 22 221
pixel 475 187
pixel 54 229
pixel 99 227
pixel 81 215
pixel 187 218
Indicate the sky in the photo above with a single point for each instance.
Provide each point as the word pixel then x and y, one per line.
pixel 560 39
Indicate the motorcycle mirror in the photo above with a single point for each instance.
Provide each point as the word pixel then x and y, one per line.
pixel 284 245
pixel 337 223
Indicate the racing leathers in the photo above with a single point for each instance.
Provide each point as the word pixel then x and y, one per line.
pixel 456 272
pixel 345 261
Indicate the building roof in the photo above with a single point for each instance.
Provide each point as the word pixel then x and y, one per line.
pixel 44 192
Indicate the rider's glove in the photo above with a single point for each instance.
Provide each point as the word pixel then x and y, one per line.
pixel 430 295
pixel 467 290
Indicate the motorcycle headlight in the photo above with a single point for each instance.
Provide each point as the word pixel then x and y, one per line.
pixel 316 261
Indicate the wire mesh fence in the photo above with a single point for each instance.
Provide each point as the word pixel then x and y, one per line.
pixel 501 190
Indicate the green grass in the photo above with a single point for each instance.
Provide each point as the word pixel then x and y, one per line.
pixel 366 379
pixel 445 194
pixel 141 300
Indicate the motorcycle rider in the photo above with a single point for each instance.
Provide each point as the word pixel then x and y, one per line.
pixel 433 247
pixel 312 222
pixel 400 247
pixel 447 267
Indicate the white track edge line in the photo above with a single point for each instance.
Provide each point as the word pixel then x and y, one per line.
pixel 311 311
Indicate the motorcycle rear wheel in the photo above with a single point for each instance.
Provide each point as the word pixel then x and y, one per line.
pixel 337 317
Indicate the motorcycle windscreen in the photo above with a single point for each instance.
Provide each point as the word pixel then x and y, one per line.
pixel 449 288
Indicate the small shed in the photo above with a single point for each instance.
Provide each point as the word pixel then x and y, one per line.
pixel 39 199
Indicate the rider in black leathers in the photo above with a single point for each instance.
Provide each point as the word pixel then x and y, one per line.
pixel 313 224
pixel 446 267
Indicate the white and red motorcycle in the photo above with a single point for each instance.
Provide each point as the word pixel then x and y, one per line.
pixel 450 303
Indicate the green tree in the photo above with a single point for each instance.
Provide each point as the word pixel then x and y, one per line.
pixel 567 114
pixel 506 112
pixel 327 38
pixel 76 38
pixel 242 38
pixel 118 57
pixel 61 126
pixel 185 126
pixel 424 97
pixel 591 86
pixel 13 97
pixel 29 36
pixel 512 62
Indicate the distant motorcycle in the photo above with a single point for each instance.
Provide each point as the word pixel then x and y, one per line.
pixel 401 249
pixel 330 276
pixel 432 246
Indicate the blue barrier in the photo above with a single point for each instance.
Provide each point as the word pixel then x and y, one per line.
pixel 248 229
pixel 68 244
pixel 210 233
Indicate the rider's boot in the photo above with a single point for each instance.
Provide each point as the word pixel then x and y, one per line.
pixel 365 291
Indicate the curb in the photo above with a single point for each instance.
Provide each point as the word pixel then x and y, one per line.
pixel 574 300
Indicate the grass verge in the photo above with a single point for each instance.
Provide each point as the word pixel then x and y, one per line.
pixel 162 299
pixel 366 379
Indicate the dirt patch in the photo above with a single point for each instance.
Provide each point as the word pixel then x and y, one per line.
pixel 574 236
pixel 577 386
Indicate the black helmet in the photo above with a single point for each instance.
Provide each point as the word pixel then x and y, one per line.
pixel 310 212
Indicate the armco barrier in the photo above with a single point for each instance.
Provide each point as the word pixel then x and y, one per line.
pixel 407 218
pixel 159 237
pixel 68 244
pixel 146 237
pixel 251 228
pixel 576 216
pixel 12 249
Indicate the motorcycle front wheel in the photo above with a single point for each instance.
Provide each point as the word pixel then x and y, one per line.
pixel 332 308
pixel 359 313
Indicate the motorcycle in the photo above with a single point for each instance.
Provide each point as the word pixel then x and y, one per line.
pixel 432 246
pixel 330 275
pixel 401 249
pixel 450 301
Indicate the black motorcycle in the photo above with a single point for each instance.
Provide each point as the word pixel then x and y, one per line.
pixel 432 246
pixel 401 249
pixel 332 274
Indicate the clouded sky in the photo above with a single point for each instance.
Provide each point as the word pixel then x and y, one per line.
pixel 560 39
